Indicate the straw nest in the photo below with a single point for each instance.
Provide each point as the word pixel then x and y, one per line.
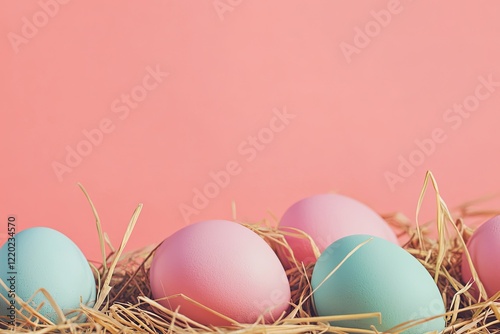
pixel 125 304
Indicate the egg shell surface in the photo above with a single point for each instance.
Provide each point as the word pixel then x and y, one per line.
pixel 378 277
pixel 327 218
pixel 46 258
pixel 484 249
pixel 224 266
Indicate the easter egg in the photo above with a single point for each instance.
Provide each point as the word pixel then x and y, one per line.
pixel 224 266
pixel 484 249
pixel 327 218
pixel 379 276
pixel 41 257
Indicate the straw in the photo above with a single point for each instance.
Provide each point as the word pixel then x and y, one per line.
pixel 125 304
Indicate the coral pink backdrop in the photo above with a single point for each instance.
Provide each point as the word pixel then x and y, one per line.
pixel 186 106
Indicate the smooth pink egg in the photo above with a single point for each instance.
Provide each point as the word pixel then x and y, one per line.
pixel 484 249
pixel 224 266
pixel 327 218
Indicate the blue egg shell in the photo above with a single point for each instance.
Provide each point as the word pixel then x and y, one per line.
pixel 45 258
pixel 378 277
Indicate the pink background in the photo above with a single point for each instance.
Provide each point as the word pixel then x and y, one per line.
pixel 230 64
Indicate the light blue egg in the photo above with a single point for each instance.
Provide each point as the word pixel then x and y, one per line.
pixel 378 277
pixel 46 258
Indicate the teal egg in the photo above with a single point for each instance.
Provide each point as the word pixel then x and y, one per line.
pixel 378 277
pixel 41 257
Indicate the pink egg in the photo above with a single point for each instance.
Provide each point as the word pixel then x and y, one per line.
pixel 484 249
pixel 224 266
pixel 327 218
